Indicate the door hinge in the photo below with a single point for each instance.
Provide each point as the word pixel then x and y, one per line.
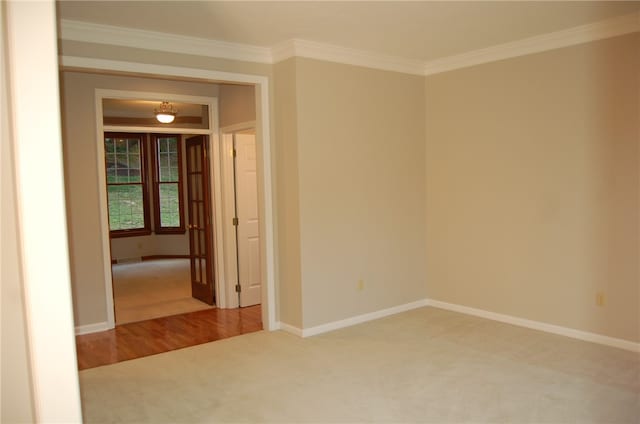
pixel 234 153
pixel 238 288
pixel 235 222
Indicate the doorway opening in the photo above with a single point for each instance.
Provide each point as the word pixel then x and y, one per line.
pixel 242 204
pixel 91 317
pixel 159 203
pixel 157 188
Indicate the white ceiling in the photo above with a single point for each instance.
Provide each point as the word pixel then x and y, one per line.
pixel 413 30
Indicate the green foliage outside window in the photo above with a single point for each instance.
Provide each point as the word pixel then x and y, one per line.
pixel 124 183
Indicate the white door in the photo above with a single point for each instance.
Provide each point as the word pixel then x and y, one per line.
pixel 248 231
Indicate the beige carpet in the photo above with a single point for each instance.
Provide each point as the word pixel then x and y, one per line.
pixel 426 365
pixel 153 289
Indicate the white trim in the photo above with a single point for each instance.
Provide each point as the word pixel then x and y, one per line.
pixel 359 319
pixel 348 56
pixel 540 43
pixel 537 325
pixel 228 213
pixel 290 329
pixel 92 328
pixel 264 133
pixel 129 37
pixel 161 41
pixel 70 63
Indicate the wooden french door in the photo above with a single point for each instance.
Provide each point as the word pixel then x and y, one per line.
pixel 200 228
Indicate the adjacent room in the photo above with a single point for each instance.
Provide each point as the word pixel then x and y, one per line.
pixel 443 223
pixel 160 193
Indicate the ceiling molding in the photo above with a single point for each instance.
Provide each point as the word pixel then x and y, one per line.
pixel 129 37
pixel 331 53
pixel 150 40
pixel 582 34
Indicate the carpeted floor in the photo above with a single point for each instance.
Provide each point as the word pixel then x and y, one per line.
pixel 425 365
pixel 153 289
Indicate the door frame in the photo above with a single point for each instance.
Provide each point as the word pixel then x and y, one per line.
pixel 264 151
pixel 228 204
pixel 214 179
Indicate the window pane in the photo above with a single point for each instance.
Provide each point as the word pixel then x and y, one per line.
pixel 109 145
pixel 173 145
pixel 122 161
pixel 125 164
pixel 164 160
pixel 126 209
pixel 121 146
pixel 168 163
pixel 162 145
pixel 134 146
pixel 169 205
pixel 173 160
pixel 134 161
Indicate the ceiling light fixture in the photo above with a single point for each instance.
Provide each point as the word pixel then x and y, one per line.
pixel 166 113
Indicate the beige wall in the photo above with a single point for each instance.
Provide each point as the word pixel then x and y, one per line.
pixel 80 155
pixel 533 186
pixel 16 399
pixel 237 104
pixel 361 179
pixel 523 199
pixel 288 196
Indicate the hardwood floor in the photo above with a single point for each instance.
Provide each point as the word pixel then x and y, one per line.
pixel 144 338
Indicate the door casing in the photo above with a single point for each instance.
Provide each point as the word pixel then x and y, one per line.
pixel 215 183
pixel 264 151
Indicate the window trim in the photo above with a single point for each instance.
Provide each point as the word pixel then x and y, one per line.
pixel 158 228
pixel 134 232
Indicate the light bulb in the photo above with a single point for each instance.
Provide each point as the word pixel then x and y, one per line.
pixel 165 118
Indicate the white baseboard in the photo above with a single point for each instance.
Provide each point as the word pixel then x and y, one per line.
pixel 348 322
pixel 92 328
pixel 537 325
pixel 289 329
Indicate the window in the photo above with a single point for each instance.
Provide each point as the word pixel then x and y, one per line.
pixel 168 204
pixel 126 184
pixel 127 191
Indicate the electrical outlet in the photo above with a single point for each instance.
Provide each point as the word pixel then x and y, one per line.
pixel 360 285
pixel 600 299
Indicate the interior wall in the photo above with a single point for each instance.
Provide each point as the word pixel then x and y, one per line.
pixel 81 179
pixel 286 115
pixel 533 186
pixel 237 104
pixel 361 165
pixel 16 398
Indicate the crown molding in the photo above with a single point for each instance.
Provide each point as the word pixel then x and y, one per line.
pixel 348 56
pixel 151 40
pixel 582 34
